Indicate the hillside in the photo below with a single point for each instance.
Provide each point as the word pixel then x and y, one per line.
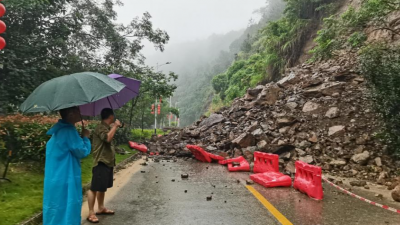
pixel 338 111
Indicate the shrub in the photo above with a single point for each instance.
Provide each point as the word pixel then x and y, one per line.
pixel 380 64
pixel 26 136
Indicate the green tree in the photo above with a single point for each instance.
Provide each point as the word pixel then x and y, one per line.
pixel 50 38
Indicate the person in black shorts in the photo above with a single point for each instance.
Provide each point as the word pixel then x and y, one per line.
pixel 103 163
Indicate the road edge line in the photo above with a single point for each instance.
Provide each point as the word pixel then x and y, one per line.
pixel 278 215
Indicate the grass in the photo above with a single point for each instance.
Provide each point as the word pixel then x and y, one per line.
pixel 22 198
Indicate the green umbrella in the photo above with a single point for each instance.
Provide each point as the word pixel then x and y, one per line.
pixel 70 90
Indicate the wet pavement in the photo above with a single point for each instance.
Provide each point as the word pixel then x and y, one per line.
pixel 158 196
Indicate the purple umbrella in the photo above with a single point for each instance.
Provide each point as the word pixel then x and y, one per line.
pixel 115 101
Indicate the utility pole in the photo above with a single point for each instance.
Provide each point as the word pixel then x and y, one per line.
pixel 176 118
pixel 170 114
pixel 155 116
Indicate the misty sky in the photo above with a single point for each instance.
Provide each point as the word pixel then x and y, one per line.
pixel 186 20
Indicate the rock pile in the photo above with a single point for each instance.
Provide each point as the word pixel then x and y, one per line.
pixel 320 114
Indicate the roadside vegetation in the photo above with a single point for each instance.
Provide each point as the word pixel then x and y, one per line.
pixel 372 30
pixel 265 55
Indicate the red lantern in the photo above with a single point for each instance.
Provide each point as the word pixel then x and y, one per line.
pixel 160 100
pixel 152 109
pixel 2 10
pixel 2 43
pixel 159 109
pixel 3 27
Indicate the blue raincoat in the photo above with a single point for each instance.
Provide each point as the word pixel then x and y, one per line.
pixel 62 200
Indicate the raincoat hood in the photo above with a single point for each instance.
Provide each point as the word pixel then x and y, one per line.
pixel 61 124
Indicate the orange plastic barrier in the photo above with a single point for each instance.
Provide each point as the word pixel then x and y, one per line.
pixel 199 153
pixel 137 146
pixel 244 165
pixel 265 162
pixel 308 179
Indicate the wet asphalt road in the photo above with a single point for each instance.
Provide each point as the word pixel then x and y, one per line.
pixel 153 198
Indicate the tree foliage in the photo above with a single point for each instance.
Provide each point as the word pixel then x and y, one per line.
pixel 50 38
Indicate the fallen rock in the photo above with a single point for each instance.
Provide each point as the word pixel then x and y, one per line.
pixel 185 175
pixel 310 106
pixel 358 183
pixel 249 182
pixel 378 161
pixel 313 139
pixel 212 120
pixel 300 152
pixel 285 121
pixel 209 198
pixel 262 144
pixel 381 179
pixel 396 193
pixel 332 113
pixel 307 159
pixel 285 156
pixel 338 162
pixel 292 105
pixel 361 158
pixel 379 196
pixel 290 167
pixel 336 130
pixel 244 140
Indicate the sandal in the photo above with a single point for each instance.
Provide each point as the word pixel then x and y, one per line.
pixel 105 212
pixel 93 219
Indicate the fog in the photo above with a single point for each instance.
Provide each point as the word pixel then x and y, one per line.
pixel 204 35
pixel 186 20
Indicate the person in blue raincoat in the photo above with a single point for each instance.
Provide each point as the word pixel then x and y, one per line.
pixel 62 199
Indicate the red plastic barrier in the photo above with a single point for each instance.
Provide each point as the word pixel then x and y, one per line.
pixel 265 162
pixel 151 153
pixel 199 153
pixel 244 165
pixel 136 146
pixel 215 157
pixel 272 179
pixel 308 179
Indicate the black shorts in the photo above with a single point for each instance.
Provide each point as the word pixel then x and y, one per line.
pixel 102 178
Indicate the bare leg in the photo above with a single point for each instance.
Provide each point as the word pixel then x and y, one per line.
pixel 100 200
pixel 91 202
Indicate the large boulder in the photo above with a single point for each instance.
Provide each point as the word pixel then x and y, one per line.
pixel 253 92
pixel 212 120
pixel 396 193
pixel 245 140
pixel 361 158
pixel 269 95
